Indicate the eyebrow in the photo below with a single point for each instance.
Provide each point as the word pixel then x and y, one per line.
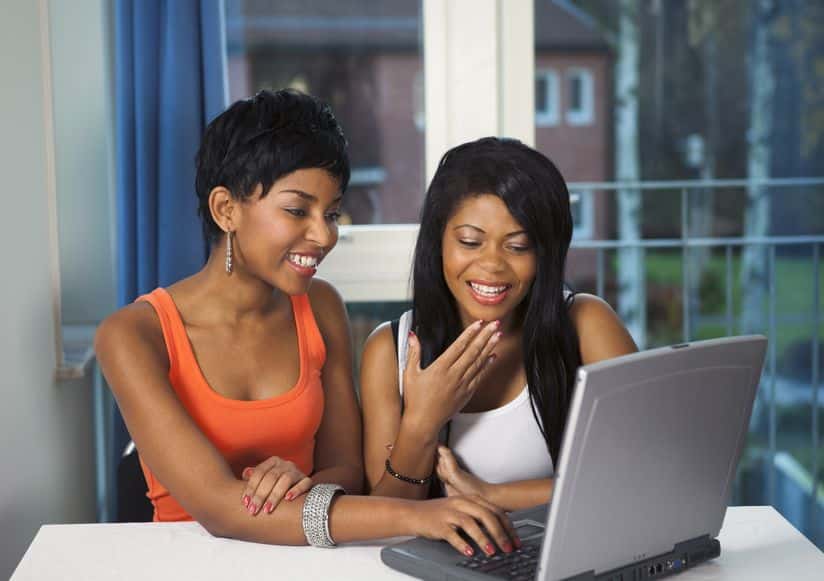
pixel 481 230
pixel 307 196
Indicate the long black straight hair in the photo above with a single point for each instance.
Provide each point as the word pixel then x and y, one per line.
pixel 536 195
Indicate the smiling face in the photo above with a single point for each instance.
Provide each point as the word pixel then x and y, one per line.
pixel 282 237
pixel 488 259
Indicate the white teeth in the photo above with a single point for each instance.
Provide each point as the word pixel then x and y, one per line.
pixel 304 261
pixel 487 290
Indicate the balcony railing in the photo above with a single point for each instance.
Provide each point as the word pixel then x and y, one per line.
pixel 786 478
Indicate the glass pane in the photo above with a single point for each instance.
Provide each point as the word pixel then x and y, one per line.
pixel 575 102
pixel 364 58
pixel 541 94
pixel 689 95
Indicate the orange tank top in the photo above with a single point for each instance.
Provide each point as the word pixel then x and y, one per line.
pixel 245 432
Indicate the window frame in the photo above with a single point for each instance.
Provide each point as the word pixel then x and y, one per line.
pixel 467 95
pixel 548 116
pixel 585 229
pixel 586 114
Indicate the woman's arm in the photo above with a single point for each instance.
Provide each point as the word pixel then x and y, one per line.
pixel 338 456
pixel 412 446
pixel 132 354
pixel 601 335
pixel 431 396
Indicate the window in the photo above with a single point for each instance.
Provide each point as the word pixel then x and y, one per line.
pixel 362 57
pixel 547 98
pixel 580 110
pixel 583 214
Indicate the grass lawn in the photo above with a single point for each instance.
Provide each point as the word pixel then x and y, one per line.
pixel 794 298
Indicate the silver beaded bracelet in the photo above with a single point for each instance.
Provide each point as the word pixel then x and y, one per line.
pixel 316 514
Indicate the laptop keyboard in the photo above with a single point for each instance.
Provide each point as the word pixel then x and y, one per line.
pixel 519 565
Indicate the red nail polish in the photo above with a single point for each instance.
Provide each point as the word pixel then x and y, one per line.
pixel 411 333
pixel 517 542
pixel 252 508
pixel 246 472
pixel 489 548
pixel 289 496
pixel 268 507
pixel 246 500
pixel 507 547
pixel 468 551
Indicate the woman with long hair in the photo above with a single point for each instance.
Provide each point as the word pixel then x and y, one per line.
pixel 236 382
pixel 485 418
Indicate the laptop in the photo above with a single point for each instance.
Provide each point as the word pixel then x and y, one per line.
pixel 650 451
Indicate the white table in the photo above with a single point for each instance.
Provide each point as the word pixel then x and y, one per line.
pixel 756 543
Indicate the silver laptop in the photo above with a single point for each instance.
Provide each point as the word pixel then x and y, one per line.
pixel 650 451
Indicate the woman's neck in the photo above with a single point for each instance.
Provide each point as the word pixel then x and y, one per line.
pixel 234 297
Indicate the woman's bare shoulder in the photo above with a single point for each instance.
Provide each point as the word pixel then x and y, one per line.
pixel 135 326
pixel 601 333
pixel 379 363
pixel 328 308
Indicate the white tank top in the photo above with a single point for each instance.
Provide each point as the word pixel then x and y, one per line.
pixel 500 445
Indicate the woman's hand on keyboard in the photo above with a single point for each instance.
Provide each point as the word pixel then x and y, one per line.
pixel 483 522
pixel 270 482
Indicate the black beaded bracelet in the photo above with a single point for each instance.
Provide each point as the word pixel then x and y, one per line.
pixel 408 479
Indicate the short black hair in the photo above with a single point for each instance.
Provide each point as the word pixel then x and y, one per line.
pixel 257 141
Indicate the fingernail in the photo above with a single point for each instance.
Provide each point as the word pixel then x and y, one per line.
pixel 518 542
pixel 289 496
pixel 468 551
pixel 489 549
pixel 252 508
pixel 499 334
pixel 507 547
pixel 268 507
pixel 492 358
pixel 246 500
pixel 246 472
pixel 497 324
pixel 411 333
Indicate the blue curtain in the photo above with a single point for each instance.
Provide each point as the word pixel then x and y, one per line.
pixel 170 77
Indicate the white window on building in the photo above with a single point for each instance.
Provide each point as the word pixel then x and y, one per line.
pixel 583 214
pixel 547 98
pixel 580 104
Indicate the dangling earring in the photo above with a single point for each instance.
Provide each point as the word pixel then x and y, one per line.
pixel 229 252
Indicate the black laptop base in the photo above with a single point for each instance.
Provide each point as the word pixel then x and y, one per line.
pixel 686 554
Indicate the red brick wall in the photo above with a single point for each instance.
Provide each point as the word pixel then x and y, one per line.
pixel 581 152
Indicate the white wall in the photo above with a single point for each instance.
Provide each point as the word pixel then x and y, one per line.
pixel 45 427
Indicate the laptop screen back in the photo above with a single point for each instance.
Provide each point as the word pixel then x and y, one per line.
pixel 650 451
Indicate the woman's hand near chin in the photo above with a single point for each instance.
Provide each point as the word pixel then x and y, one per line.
pixel 433 395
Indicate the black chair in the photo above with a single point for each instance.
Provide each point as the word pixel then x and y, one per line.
pixel 132 504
